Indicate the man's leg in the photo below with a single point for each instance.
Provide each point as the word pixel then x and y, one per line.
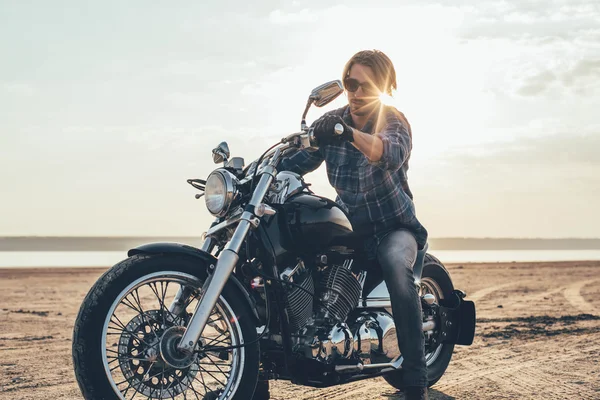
pixel 396 254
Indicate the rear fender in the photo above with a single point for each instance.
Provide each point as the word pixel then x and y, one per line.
pixel 207 260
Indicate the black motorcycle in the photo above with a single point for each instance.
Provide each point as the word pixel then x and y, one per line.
pixel 280 289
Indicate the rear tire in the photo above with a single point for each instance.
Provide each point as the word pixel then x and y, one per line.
pixel 262 390
pixel 131 350
pixel 435 278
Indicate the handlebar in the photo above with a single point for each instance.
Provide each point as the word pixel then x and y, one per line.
pixel 337 130
pixel 302 139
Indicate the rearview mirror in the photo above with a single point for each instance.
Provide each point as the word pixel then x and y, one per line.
pixel 326 93
pixel 221 153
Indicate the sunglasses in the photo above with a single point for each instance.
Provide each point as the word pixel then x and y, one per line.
pixel 352 86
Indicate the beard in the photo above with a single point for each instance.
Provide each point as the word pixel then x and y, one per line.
pixel 363 108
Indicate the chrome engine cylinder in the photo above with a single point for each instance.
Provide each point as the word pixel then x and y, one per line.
pixel 339 344
pixel 375 338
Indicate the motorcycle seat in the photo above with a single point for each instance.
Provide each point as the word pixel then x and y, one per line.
pixel 418 267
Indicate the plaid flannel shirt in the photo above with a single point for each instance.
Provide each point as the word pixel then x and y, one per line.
pixel 375 194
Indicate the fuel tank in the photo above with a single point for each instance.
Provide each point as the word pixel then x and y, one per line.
pixel 313 222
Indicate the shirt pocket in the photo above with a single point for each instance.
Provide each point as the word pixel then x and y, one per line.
pixel 339 171
pixel 369 176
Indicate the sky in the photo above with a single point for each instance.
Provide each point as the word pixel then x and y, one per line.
pixel 106 108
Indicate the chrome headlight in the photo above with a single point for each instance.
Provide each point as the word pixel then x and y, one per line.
pixel 220 190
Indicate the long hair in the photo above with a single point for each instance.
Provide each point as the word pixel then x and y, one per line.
pixel 385 79
pixel 385 74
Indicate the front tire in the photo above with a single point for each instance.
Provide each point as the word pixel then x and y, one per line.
pixel 124 336
pixel 435 279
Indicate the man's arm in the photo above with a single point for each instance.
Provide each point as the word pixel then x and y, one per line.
pixel 302 162
pixel 388 149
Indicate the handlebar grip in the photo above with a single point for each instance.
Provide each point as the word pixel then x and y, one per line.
pixel 338 129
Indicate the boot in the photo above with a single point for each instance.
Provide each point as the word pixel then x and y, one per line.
pixel 415 393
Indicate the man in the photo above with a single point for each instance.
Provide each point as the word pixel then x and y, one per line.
pixel 367 165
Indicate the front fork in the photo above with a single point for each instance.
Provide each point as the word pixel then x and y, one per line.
pixel 212 288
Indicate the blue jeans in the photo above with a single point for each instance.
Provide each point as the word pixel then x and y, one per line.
pixel 396 255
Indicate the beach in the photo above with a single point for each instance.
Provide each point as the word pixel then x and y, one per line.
pixel 538 335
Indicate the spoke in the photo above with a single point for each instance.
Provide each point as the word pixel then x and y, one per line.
pixel 124 328
pixel 216 339
pixel 193 296
pixel 191 386
pixel 129 386
pixel 208 372
pixel 206 388
pixel 163 308
pixel 122 359
pixel 217 366
pixel 138 301
pixel 214 345
pixel 140 311
pixel 129 304
pixel 182 390
pixel 137 389
pixel 223 364
pixel 216 372
pixel 119 365
pixel 163 378
pixel 214 325
pixel 161 299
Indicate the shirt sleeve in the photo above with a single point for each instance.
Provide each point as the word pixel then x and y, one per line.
pixel 397 141
pixel 302 162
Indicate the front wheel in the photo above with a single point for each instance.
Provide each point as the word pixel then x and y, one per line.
pixel 125 338
pixel 435 280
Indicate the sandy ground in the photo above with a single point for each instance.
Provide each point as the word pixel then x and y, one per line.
pixel 538 335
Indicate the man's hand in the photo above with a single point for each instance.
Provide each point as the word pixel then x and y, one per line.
pixel 324 130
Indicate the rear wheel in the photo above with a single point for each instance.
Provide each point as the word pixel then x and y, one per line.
pixel 125 338
pixel 262 390
pixel 435 280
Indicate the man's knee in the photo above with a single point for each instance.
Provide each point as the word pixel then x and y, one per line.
pixel 398 249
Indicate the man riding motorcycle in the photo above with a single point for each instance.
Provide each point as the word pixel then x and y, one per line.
pixel 367 165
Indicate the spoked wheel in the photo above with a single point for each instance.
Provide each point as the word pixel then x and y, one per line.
pixel 431 286
pixel 137 355
pixel 435 280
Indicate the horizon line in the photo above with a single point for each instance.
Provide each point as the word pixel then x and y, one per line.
pixel 199 236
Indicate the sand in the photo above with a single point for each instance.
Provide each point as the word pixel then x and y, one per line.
pixel 538 335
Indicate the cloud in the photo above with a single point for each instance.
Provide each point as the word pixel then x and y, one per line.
pixel 584 70
pixel 581 77
pixel 568 155
pixel 537 84
pixel 558 19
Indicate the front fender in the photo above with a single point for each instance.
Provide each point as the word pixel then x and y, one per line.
pixel 207 258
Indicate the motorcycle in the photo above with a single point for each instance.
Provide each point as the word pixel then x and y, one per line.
pixel 280 289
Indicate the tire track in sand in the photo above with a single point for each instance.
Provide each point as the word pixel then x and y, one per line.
pixel 478 295
pixel 573 295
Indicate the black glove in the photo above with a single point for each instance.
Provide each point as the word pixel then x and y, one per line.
pixel 324 130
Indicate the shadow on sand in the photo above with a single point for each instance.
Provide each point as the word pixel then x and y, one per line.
pixel 433 395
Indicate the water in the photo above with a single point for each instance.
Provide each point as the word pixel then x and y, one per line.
pixel 464 256
pixel 13 259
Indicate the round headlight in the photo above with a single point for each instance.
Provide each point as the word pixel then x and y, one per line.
pixel 219 192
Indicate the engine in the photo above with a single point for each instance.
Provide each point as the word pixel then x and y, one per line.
pixel 318 322
pixel 340 292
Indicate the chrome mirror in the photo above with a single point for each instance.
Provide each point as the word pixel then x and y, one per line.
pixel 221 153
pixel 326 93
pixel 321 95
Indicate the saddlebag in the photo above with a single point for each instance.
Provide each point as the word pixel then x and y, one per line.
pixel 457 319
